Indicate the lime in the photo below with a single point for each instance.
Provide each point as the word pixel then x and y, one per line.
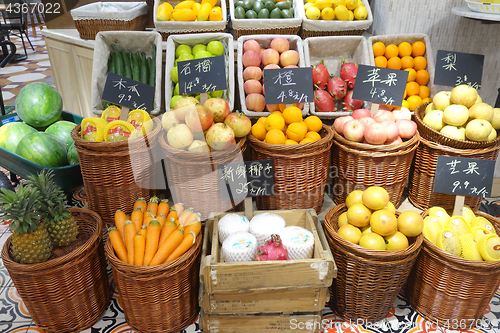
pixel 216 48
pixel 199 47
pixel 313 13
pixel 360 13
pixel 174 99
pixel 342 13
pixel 174 74
pixel 328 14
pixel 181 49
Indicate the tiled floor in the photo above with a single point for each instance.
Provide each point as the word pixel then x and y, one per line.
pixel 14 316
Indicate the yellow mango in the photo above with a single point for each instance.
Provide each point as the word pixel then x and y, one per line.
pixel 215 15
pixel 196 7
pixel 186 4
pixel 204 11
pixel 164 12
pixel 183 15
pixel 211 2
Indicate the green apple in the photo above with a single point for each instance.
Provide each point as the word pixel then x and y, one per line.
pixel 184 57
pixel 216 48
pixel 199 47
pixel 174 99
pixel 174 75
pixel 176 89
pixel 182 49
pixel 217 93
pixel 202 54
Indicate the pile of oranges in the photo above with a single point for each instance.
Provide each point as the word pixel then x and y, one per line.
pixel 287 127
pixel 408 57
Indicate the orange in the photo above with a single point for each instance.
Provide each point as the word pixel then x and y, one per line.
pixel 394 63
pixel 410 223
pixel 313 135
pixel 359 215
pixel 350 233
pixel 413 102
pixel 404 49
pixel 306 140
pixel 277 112
pixel 292 114
pixel 383 222
pixel 426 100
pixel 285 128
pixel 422 77
pixel 259 131
pixel 412 74
pixel 342 219
pixel 375 197
pixel 291 142
pixel 418 49
pixel 405 104
pixel 424 93
pixel 381 61
pixel 420 63
pixel 275 136
pixel 412 88
pixel 262 120
pixel 391 50
pixel 354 197
pixel 275 121
pixel 407 62
pixel 405 94
pixel 378 49
pixel 396 241
pixel 372 241
pixel 314 124
pixel 296 132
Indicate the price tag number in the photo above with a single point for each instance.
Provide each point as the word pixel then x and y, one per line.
pixel 299 98
pixel 463 80
pixel 458 185
pixel 380 93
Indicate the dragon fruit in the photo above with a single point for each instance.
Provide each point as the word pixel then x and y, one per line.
pixel 273 249
pixel 320 75
pixel 337 88
pixel 350 104
pixel 323 102
pixel 348 71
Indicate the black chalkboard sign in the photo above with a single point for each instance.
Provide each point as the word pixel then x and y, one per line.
pixel 380 85
pixel 288 85
pixel 455 68
pixel 464 176
pixel 127 92
pixel 246 179
pixel 202 75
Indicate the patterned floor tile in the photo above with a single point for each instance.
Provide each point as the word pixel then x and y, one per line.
pixel 14 327
pixel 12 307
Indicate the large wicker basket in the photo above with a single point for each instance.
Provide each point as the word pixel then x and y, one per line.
pixel 368 281
pixel 162 298
pixel 115 174
pixel 300 172
pixel 357 166
pixel 453 292
pixel 423 173
pixel 193 178
pixel 70 291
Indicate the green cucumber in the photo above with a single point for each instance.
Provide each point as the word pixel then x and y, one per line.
pixel 144 69
pixel 126 65
pixel 136 69
pixel 152 72
pixel 112 63
pixel 119 62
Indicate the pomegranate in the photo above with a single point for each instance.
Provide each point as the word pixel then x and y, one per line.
pixel 199 119
pixel 320 75
pixel 323 102
pixel 219 108
pixel 348 72
pixel 220 136
pixel 337 88
pixel 179 136
pixel 273 249
pixel 241 124
pixel 350 104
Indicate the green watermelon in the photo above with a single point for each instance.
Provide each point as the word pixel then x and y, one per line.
pixel 44 149
pixel 39 104
pixel 62 129
pixel 12 133
pixel 73 154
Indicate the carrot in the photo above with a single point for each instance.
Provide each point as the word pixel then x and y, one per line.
pixel 139 246
pixel 144 230
pixel 129 233
pixel 185 213
pixel 149 218
pixel 161 218
pixel 195 226
pixel 163 207
pixel 140 202
pixel 153 204
pixel 192 218
pixel 188 241
pixel 146 214
pixel 166 230
pixel 117 242
pixel 172 214
pixel 167 247
pixel 179 207
pixel 152 238
pixel 137 217
pixel 120 219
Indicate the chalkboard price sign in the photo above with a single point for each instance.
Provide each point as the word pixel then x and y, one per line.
pixel 202 75
pixel 380 85
pixel 246 179
pixel 128 93
pixel 456 68
pixel 288 85
pixel 464 176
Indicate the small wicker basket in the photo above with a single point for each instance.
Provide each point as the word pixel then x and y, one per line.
pixel 70 291
pixel 451 291
pixel 300 172
pixel 368 281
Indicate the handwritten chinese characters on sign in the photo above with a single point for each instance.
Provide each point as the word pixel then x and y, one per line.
pixel 456 68
pixel 464 176
pixel 380 85
pixel 246 179
pixel 288 85
pixel 127 92
pixel 202 75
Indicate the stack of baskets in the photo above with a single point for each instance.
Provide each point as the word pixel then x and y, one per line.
pixel 299 174
pixel 432 145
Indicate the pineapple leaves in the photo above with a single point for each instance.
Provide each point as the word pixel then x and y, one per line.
pixel 21 207
pixel 52 199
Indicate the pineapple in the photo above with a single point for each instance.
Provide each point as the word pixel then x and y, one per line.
pixel 30 242
pixel 61 225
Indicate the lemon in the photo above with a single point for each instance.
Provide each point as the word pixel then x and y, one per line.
pixel 338 3
pixel 328 14
pixel 342 13
pixel 322 4
pixel 307 5
pixel 351 15
pixel 351 4
pixel 313 13
pixel 360 13
pixel 310 1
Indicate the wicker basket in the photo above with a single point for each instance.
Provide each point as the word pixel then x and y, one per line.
pixel 162 298
pixel 300 172
pixel 423 172
pixel 359 165
pixel 193 178
pixel 368 281
pixel 70 291
pixel 115 174
pixel 453 292
pixel 432 135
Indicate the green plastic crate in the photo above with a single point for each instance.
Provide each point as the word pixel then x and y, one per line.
pixel 68 177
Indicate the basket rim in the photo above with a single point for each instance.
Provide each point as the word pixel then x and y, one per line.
pixel 52 263
pixel 460 151
pixel 375 255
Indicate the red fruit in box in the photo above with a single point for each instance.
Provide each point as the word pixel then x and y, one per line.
pixel 320 75
pixel 348 72
pixel 350 104
pixel 323 102
pixel 337 88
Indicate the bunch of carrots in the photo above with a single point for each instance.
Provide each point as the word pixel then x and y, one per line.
pixel 154 233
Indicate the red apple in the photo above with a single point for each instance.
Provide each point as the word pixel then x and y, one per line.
pixel 392 129
pixel 367 120
pixel 255 102
pixel 353 130
pixel 375 134
pixel 407 128
pixel 290 57
pixel 396 141
pixel 251 58
pixel 199 119
pixel 219 108
pixel 383 115
pixel 252 73
pixel 280 44
pixel 360 113
pixel 270 56
pixel 384 107
pixel 401 113
pixel 251 44
pixel 272 107
pixel 220 136
pixel 252 87
pixel 339 122
pixel 272 66
pixel 291 66
pixel 241 124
